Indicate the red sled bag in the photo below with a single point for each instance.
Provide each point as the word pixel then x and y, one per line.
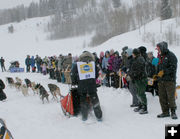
pixel 70 104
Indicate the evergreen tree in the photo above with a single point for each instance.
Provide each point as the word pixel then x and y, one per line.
pixel 166 11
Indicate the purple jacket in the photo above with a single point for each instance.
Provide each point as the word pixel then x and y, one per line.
pixel 110 63
pixel 116 64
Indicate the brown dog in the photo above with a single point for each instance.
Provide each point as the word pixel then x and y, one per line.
pixel 17 85
pixel 55 91
pixel 18 80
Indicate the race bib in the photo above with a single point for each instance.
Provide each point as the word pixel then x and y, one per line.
pixel 86 71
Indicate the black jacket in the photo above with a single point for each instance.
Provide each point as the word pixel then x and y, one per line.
pixel 167 63
pixel 84 86
pixel 138 71
pixel 150 68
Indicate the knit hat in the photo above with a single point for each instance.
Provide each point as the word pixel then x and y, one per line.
pixel 142 49
pixel 117 53
pixel 136 52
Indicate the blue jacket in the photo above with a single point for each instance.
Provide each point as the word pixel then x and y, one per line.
pixel 32 62
pixel 105 63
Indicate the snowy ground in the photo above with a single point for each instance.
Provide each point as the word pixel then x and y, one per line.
pixel 28 118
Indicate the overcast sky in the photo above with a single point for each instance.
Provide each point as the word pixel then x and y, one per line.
pixel 12 3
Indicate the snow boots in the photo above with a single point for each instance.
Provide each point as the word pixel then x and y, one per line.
pixel 173 114
pixel 163 115
pixel 142 109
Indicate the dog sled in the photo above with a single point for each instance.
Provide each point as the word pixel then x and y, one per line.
pixel 14 67
pixel 70 104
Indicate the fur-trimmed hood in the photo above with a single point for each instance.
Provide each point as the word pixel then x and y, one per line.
pixel 86 57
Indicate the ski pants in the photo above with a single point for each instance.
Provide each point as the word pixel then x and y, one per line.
pixel 167 95
pixel 133 91
pixel 94 100
pixel 141 88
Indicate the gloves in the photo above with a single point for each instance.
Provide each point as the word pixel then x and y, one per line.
pixel 155 77
pixel 161 73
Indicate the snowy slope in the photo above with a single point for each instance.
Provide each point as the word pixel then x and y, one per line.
pixel 4 4
pixel 28 118
pixel 30 38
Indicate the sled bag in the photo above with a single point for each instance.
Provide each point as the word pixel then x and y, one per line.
pixel 67 104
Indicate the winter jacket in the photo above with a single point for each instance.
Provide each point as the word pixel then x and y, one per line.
pixel 87 85
pixel 127 69
pixel 38 61
pixel 105 63
pixel 28 61
pixel 67 62
pixel 137 71
pixel 60 61
pixel 32 62
pixel 167 63
pixel 110 63
pixel 2 62
pixel 150 68
pixel 124 60
pixel 116 64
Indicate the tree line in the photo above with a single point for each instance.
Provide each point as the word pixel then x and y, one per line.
pixel 104 18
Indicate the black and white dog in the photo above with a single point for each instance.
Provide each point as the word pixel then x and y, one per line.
pixel 42 92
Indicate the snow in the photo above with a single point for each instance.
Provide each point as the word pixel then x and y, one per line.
pixel 27 117
pixel 4 4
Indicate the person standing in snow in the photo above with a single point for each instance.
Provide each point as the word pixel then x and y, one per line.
pixel 84 74
pixel 101 59
pixel 33 64
pixel 124 58
pixel 28 63
pixel 2 64
pixel 166 77
pixel 117 61
pixel 38 62
pixel 139 78
pixel 127 70
pixel 105 68
pixel 110 68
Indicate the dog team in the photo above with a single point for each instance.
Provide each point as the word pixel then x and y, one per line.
pixel 36 88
